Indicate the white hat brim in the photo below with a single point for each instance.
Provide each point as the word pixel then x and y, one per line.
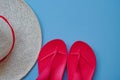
pixel 28 39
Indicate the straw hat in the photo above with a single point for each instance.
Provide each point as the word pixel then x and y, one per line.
pixel 20 39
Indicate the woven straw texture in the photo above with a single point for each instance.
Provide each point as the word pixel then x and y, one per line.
pixel 28 39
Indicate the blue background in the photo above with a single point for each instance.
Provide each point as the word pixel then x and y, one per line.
pixel 96 22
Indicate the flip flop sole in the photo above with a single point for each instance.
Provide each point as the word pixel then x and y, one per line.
pixel 52 60
pixel 81 62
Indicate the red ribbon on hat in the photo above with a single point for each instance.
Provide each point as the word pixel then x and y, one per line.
pixel 13 35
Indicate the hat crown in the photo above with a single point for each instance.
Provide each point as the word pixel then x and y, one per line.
pixel 6 38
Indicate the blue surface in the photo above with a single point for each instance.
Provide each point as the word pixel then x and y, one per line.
pixel 96 22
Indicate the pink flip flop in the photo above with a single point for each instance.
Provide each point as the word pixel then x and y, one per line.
pixel 81 62
pixel 52 60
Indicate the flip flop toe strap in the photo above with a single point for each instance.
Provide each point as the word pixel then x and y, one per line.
pixel 44 75
pixel 76 71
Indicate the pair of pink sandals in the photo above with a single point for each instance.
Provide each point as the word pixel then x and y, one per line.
pixel 52 60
